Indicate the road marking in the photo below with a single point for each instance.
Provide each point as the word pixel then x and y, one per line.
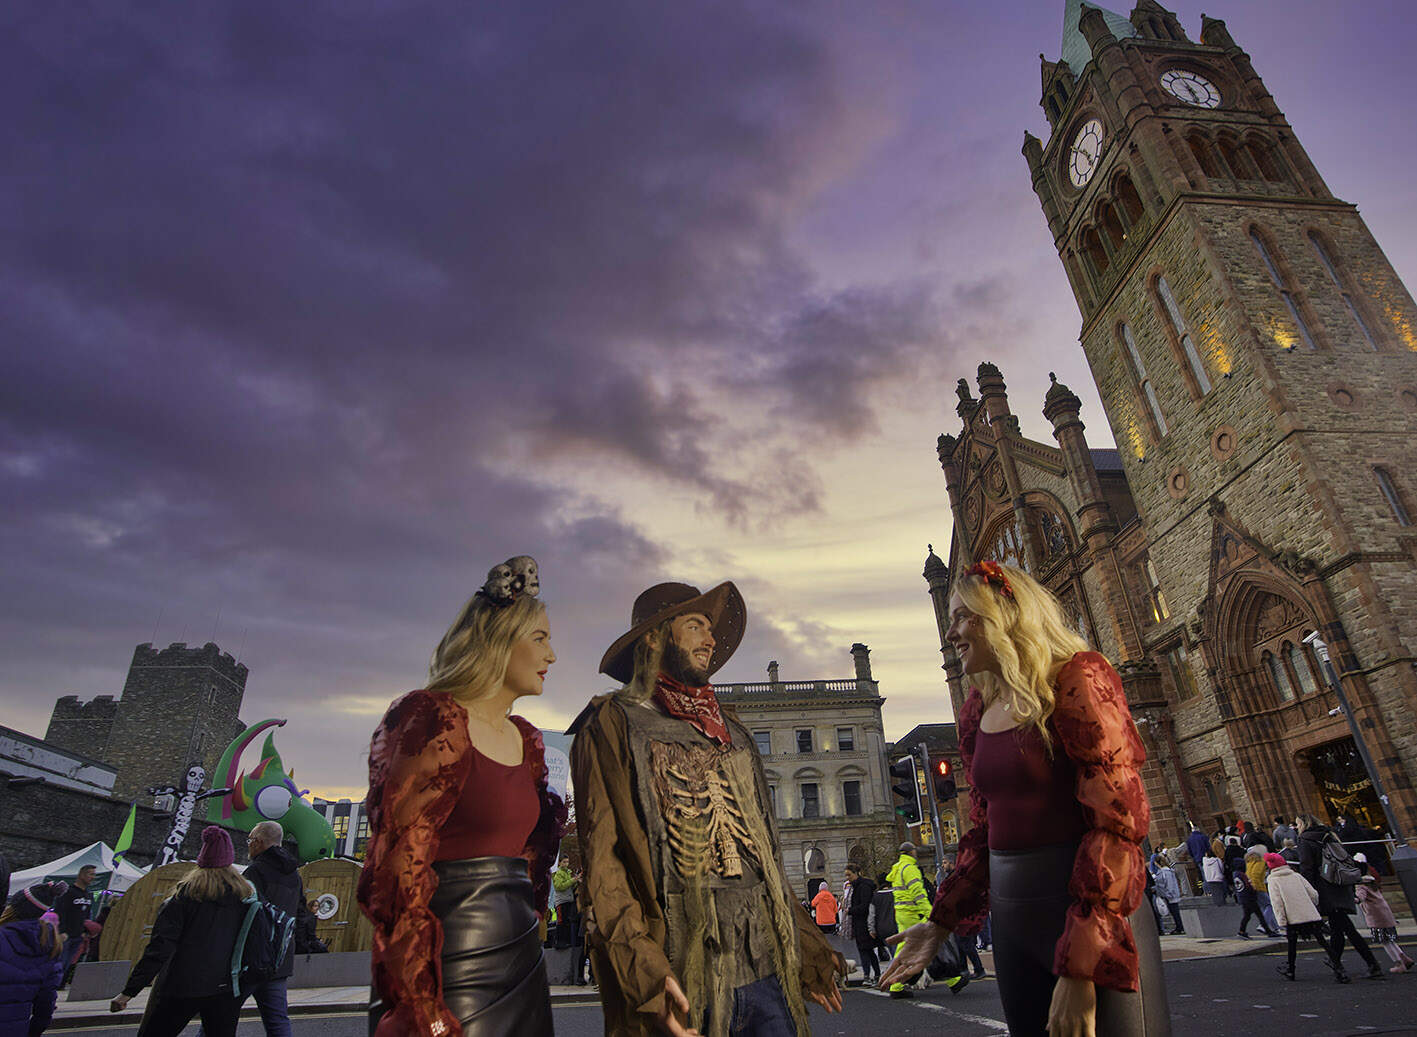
pixel 977 1020
pixel 1220 1000
pixel 1306 1015
pixel 1259 1006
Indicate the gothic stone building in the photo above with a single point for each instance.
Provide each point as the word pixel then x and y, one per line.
pixel 824 750
pixel 1256 357
pixel 179 707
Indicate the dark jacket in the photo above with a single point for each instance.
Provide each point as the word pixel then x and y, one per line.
pixel 29 980
pixel 4 879
pixel 1332 898
pixel 278 883
pixel 73 908
pixel 1196 845
pixel 862 890
pixel 189 953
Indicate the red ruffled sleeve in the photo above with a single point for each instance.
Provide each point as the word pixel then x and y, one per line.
pixel 1095 728
pixel 418 763
pixel 545 839
pixel 964 895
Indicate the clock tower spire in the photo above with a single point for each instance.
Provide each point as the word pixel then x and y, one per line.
pixel 1256 357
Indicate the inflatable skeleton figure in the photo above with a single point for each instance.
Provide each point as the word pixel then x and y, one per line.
pixel 187 797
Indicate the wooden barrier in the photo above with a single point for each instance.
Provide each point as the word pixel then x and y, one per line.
pixel 130 923
pixel 330 887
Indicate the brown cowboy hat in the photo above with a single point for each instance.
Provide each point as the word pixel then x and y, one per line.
pixel 723 605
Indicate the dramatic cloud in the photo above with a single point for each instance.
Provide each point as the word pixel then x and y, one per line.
pixel 312 312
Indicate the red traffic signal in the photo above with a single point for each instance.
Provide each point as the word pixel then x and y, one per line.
pixel 942 779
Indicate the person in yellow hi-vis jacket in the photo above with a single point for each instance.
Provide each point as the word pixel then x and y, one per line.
pixel 911 903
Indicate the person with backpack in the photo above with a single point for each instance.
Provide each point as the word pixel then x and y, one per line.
pixel 273 873
pixel 189 956
pixel 30 962
pixel 1295 904
pixel 1332 872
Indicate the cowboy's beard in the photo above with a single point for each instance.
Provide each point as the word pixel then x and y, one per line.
pixel 680 665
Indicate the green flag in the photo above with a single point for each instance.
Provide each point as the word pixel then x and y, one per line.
pixel 125 838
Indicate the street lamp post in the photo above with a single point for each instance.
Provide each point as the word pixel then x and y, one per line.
pixel 1404 857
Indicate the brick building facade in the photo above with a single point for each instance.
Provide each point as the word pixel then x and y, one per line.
pixel 1256 357
pixel 179 706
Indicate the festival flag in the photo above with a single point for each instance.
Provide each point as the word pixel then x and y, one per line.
pixel 125 838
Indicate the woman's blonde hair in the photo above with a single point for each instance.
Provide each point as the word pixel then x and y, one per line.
pixel 1030 637
pixel 470 662
pixel 48 935
pixel 213 884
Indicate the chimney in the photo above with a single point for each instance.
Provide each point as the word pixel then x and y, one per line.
pixel 862 655
pixel 772 672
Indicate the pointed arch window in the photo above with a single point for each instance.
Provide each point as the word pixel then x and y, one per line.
pixel 1303 673
pixel 1107 216
pixel 1328 265
pixel 1182 336
pixel 1394 499
pixel 1200 148
pixel 1129 200
pixel 1267 257
pixel 1096 254
pixel 1144 386
pixel 1279 677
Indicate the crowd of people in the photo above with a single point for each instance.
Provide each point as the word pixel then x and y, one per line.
pixel 678 902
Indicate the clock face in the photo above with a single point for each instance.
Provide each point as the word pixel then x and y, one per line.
pixel 1191 88
pixel 1086 150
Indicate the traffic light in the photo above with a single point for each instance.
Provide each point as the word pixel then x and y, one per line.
pixel 943 780
pixel 907 788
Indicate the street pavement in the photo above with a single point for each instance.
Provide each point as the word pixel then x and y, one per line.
pixel 1219 995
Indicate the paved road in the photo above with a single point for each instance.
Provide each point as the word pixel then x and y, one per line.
pixel 1219 997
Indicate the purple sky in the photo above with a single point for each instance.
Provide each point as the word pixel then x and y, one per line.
pixel 313 312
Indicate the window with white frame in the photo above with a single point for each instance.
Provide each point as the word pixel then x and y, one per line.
pixel 1178 325
pixel 1144 386
pixel 1328 265
pixel 1394 499
pixel 1284 291
pixel 851 796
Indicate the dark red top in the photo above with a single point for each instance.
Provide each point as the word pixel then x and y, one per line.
pixel 1092 727
pixel 495 813
pixel 1032 799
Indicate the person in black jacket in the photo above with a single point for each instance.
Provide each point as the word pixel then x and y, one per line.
pixel 1336 903
pixel 273 872
pixel 862 890
pixel 189 953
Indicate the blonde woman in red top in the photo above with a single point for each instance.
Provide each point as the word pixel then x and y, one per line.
pixel 463 830
pixel 1058 813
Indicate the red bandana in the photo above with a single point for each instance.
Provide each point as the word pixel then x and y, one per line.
pixel 697 706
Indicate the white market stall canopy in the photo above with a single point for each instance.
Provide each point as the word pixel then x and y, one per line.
pixel 100 855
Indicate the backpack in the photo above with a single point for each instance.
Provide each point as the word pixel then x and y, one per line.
pixel 261 944
pixel 1336 866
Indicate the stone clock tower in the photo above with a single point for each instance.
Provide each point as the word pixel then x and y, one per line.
pixel 1256 355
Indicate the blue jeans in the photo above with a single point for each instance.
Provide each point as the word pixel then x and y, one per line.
pixel 760 1010
pixel 275 1011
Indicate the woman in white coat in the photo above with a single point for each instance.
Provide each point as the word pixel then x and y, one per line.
pixel 1296 909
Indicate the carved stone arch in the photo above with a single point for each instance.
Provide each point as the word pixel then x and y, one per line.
pixel 1054 522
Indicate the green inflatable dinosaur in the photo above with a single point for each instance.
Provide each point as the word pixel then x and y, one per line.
pixel 268 793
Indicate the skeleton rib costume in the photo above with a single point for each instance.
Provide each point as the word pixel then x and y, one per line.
pixel 683 870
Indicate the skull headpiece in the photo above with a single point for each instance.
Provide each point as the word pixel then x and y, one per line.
pixel 513 578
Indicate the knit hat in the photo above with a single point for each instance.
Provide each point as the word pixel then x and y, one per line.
pixel 1361 858
pixel 1274 860
pixel 35 900
pixel 216 849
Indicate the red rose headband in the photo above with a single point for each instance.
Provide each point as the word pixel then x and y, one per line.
pixel 992 573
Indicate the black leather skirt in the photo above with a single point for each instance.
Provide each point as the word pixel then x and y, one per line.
pixel 1028 903
pixel 494 975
